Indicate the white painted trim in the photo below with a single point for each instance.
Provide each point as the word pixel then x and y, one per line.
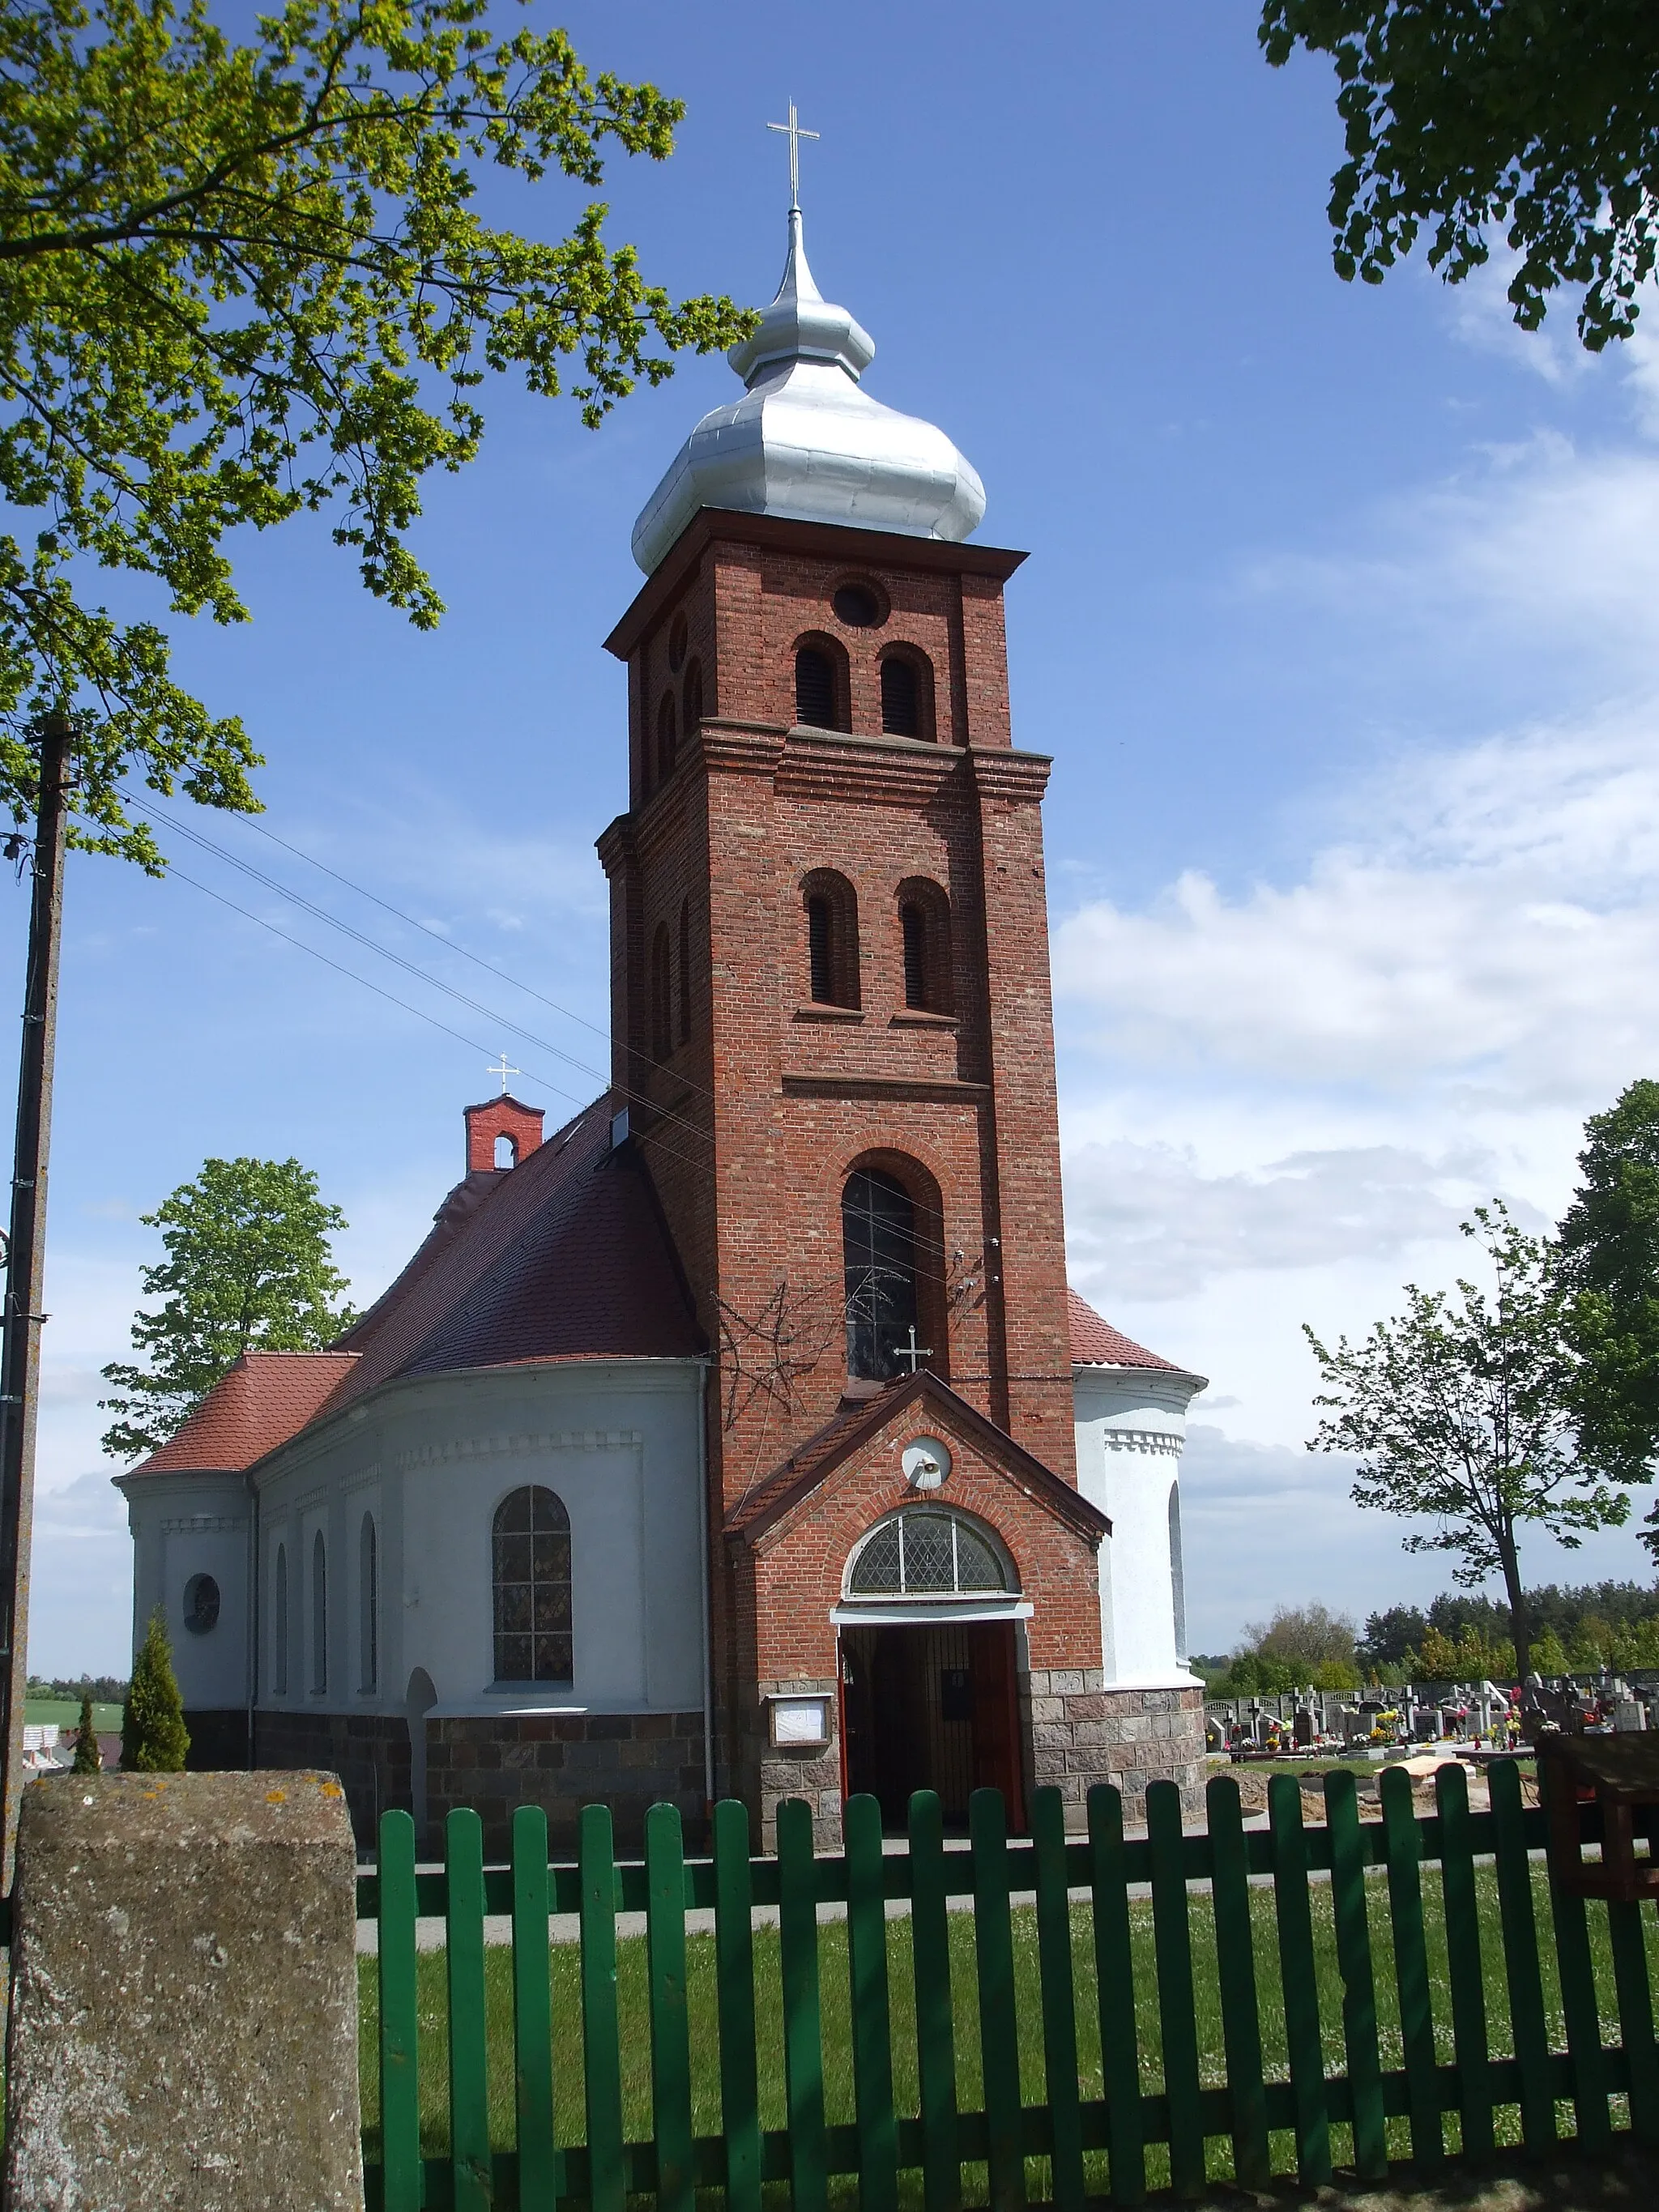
pixel 852 1612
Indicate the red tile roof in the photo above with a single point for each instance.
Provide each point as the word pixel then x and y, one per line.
pixel 1096 1343
pixel 566 1256
pixel 265 1398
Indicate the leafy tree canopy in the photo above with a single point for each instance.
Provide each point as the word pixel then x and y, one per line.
pixel 1464 1414
pixel 241 280
pixel 248 1266
pixel 1609 1240
pixel 1539 118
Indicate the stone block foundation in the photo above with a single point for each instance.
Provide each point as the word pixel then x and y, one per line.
pixel 1081 1733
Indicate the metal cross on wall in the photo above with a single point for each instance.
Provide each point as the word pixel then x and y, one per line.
pixel 504 1070
pixel 913 1352
pixel 792 131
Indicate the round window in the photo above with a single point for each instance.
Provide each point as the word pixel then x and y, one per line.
pixel 857 606
pixel 201 1604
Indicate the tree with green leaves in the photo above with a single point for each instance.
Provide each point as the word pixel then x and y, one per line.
pixel 154 1737
pixel 88 1759
pixel 245 277
pixel 1537 120
pixel 248 1267
pixel 1609 1239
pixel 1464 1414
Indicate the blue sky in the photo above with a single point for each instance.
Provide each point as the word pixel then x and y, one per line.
pixel 1338 623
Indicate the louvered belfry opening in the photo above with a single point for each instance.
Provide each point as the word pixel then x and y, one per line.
pixel 901 697
pixel 815 688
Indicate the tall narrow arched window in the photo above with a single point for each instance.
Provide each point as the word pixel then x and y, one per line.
pixel 368 1605
pixel 692 694
pixel 821 682
pixel 318 1614
pixel 667 739
pixel 685 971
pixel 831 908
pixel 879 1251
pixel 924 931
pixel 531 1571
pixel 279 1624
pixel 901 711
pixel 662 1011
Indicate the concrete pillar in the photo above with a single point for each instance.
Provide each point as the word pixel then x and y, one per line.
pixel 183 2030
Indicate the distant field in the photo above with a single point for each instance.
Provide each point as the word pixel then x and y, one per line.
pixel 40 1712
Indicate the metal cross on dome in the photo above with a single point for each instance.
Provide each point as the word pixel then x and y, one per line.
pixel 792 131
pixel 504 1070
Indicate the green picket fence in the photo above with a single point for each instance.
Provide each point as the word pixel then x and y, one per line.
pixel 1563 1991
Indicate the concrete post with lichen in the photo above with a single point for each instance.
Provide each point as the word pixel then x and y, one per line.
pixel 183 2028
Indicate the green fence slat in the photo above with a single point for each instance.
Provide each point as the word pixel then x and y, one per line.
pixel 1579 2010
pixel 532 2013
pixel 671 2022
pixel 1353 1959
pixel 400 2072
pixel 873 2049
pixel 1521 1968
pixel 1115 1989
pixel 607 2179
pixel 1054 1919
pixel 1630 1975
pixel 936 2057
pixel 1296 1956
pixel 469 2046
pixel 734 1972
pixel 1234 1953
pixel 1177 2010
pixel 1402 1843
pixel 803 2031
pixel 999 2023
pixel 1467 1975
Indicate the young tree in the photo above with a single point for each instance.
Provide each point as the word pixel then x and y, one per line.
pixel 247 277
pixel 248 1266
pixel 1609 1239
pixel 1464 1414
pixel 154 1737
pixel 88 1759
pixel 1462 116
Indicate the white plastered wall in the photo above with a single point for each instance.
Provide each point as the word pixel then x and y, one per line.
pixel 184 1525
pixel 1131 1426
pixel 617 1440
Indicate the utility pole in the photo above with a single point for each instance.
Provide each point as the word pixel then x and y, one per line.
pixel 22 1316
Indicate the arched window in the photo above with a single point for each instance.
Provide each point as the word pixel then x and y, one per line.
pixel 925 1552
pixel 532 1576
pixel 821 684
pixel 692 694
pixel 506 1152
pixel 368 1605
pixel 678 634
pixel 318 1614
pixel 685 971
pixel 662 1029
pixel 667 739
pixel 279 1624
pixel 832 907
pixel 925 927
pixel 901 711
pixel 878 1244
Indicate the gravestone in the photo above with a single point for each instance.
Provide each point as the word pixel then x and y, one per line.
pixel 183 2030
pixel 1302 1727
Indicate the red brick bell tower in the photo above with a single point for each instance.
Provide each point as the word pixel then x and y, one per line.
pixel 832 1025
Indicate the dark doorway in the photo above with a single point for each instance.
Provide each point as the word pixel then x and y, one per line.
pixel 932 1706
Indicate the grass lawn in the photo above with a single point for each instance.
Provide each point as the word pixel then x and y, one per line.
pixel 39 1712
pixel 838 2068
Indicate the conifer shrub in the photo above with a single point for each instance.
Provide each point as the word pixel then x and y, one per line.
pixel 154 1737
pixel 88 1759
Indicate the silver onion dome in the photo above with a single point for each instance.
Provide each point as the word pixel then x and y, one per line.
pixel 806 442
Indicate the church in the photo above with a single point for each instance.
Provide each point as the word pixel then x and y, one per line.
pixel 742 1436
